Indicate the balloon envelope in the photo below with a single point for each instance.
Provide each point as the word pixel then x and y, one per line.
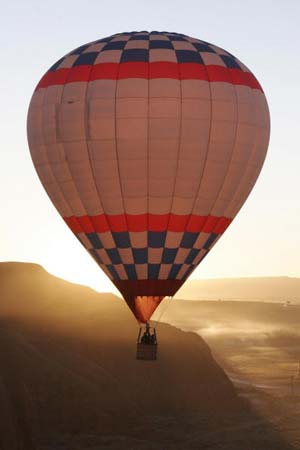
pixel 148 144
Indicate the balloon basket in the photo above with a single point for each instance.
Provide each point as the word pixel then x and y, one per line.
pixel 146 352
pixel 146 348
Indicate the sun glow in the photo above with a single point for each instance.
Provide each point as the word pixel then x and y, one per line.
pixel 76 265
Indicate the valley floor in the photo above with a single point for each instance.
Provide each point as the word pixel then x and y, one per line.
pixel 259 349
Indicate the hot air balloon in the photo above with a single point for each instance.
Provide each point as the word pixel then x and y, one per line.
pixel 148 144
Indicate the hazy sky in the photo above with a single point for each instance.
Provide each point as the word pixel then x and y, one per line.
pixel 265 35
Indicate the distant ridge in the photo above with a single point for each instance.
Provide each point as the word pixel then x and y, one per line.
pixel 276 289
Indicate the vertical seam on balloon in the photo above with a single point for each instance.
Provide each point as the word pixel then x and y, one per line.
pixel 46 150
pixel 48 161
pixel 87 135
pixel 118 164
pixel 249 158
pixel 208 143
pixel 63 145
pixel 71 175
pixel 148 154
pixel 207 151
pixel 252 152
pixel 259 168
pixel 178 154
pixel 148 160
pixel 254 149
pixel 230 159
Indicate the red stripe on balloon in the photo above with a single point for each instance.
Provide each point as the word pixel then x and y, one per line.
pixel 104 71
pixel 192 71
pixel 182 71
pixel 161 69
pixel 132 70
pixel 151 222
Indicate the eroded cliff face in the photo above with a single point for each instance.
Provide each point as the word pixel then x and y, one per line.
pixel 68 370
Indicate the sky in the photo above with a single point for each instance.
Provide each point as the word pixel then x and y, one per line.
pixel 264 239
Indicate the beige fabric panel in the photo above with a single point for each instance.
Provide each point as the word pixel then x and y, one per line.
pixel 181 255
pixel 133 88
pixel 65 182
pixel 132 157
pixel 102 144
pixel 164 87
pixel 79 166
pixel 71 121
pixel 194 89
pixel 101 119
pixel 201 239
pixel 126 255
pixel 182 271
pixel 244 142
pixel 141 271
pixel 36 101
pixel 165 55
pixel 106 239
pixel 155 255
pixel 83 179
pixel 131 141
pixel 38 151
pixel 139 239
pixel 56 154
pixel 183 45
pixel 158 205
pixel 164 271
pixel 35 128
pixel 72 110
pixel 133 175
pixel 195 126
pixel 85 241
pixel 121 271
pixel 110 56
pixel 101 89
pixel 173 239
pixel 51 161
pixel 136 44
pixel 249 180
pixel 164 134
pixel 108 184
pixel 94 47
pixel 107 181
pixel 48 180
pixel 104 256
pixel 221 143
pixel 52 95
pixel 131 121
pixel 212 59
pixel 257 156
